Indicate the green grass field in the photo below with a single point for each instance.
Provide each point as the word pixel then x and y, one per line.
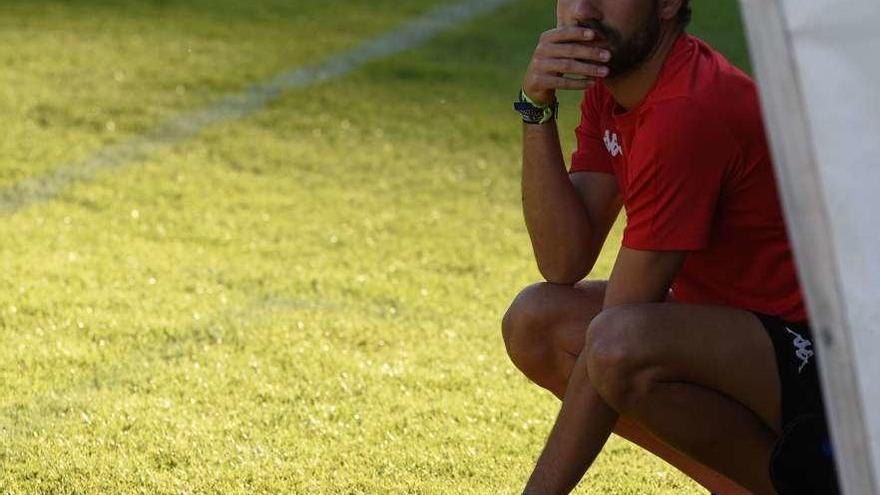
pixel 306 300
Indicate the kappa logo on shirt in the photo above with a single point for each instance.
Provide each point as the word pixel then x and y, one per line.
pixel 611 143
pixel 804 353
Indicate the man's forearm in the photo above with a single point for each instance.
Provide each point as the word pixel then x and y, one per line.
pixel 555 215
pixel 581 430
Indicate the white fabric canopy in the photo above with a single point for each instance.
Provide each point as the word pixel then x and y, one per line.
pixel 818 67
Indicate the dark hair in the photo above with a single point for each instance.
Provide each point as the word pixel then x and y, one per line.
pixel 684 14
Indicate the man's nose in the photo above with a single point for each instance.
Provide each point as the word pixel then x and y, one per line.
pixel 586 10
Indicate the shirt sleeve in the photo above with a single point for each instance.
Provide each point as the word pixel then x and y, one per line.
pixel 679 160
pixel 590 155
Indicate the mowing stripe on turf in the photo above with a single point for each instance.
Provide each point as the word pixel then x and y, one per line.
pixel 239 105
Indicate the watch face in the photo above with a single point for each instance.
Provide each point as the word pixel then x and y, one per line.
pixel 530 113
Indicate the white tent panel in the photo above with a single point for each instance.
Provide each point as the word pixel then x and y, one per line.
pixel 837 52
pixel 818 66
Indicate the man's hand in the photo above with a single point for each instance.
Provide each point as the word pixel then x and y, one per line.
pixel 560 52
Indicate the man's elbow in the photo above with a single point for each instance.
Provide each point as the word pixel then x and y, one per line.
pixel 564 273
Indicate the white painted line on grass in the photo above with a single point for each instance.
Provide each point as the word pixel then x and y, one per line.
pixel 239 105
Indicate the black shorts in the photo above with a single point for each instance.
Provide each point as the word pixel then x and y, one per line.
pixel 796 361
pixel 802 461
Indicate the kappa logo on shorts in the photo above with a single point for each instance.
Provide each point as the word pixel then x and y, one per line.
pixel 804 351
pixel 611 143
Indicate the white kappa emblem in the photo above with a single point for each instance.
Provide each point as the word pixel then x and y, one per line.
pixel 804 353
pixel 611 143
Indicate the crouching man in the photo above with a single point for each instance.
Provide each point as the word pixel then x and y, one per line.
pixel 697 348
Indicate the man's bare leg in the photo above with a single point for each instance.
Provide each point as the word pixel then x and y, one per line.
pixel 544 331
pixel 701 378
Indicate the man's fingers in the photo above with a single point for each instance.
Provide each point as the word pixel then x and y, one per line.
pixel 564 51
pixel 568 34
pixel 558 82
pixel 571 66
pixel 576 51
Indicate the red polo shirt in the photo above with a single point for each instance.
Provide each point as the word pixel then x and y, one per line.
pixel 692 165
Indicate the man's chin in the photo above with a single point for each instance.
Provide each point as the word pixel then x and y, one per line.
pixel 618 73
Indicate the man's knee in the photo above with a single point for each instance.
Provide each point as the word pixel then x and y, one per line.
pixel 619 363
pixel 524 326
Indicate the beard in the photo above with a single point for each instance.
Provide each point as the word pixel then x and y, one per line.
pixel 628 54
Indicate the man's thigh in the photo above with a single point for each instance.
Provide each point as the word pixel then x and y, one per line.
pixel 721 348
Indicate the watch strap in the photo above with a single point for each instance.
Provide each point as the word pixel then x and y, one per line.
pixel 535 113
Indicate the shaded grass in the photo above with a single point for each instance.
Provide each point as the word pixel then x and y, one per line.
pixel 305 301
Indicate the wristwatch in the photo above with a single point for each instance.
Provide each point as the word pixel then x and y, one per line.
pixel 534 113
